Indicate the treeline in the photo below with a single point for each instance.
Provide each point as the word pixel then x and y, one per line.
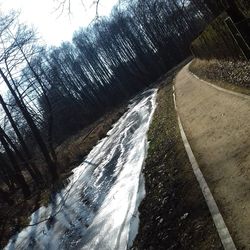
pixel 54 92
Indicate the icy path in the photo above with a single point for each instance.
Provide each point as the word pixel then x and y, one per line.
pixel 98 208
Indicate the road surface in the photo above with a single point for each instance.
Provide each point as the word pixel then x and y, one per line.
pixel 217 124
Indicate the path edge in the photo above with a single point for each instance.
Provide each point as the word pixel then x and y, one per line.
pixel 217 87
pixel 219 222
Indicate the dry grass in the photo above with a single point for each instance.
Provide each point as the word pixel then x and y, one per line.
pixel 232 75
pixel 173 214
pixel 72 151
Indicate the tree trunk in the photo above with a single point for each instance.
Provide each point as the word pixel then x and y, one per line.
pixel 5 197
pixel 233 11
pixel 25 163
pixel 50 164
pixel 17 171
pixel 22 142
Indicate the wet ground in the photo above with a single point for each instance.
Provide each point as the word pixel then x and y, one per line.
pixel 98 207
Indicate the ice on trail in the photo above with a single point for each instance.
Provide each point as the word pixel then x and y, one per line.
pixel 98 209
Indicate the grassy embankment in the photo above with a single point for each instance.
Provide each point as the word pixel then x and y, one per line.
pixel 70 154
pixel 219 55
pixel 232 75
pixel 173 214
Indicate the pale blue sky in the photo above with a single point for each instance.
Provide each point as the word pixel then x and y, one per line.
pixel 53 27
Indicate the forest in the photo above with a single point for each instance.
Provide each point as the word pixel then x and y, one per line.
pixel 54 92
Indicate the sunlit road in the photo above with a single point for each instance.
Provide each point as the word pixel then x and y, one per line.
pixel 217 124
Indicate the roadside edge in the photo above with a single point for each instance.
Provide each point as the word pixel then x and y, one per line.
pixel 219 222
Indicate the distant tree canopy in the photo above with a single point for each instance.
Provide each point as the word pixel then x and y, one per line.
pixel 236 9
pixel 54 92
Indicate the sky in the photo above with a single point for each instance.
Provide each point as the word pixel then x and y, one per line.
pixel 52 25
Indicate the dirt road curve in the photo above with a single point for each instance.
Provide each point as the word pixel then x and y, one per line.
pixel 217 125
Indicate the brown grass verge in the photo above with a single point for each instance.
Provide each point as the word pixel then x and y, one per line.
pixel 173 214
pixel 232 75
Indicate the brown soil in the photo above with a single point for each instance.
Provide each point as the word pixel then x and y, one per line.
pixel 173 214
pixel 232 75
pixel 217 125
